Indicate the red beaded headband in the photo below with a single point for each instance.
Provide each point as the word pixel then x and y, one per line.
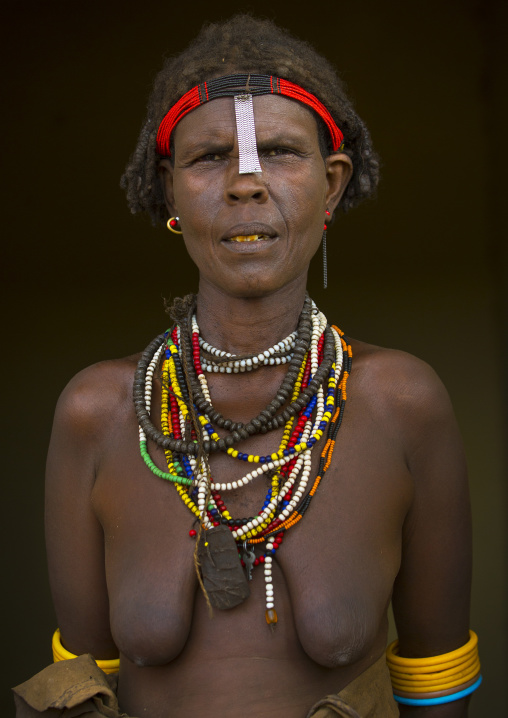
pixel 232 85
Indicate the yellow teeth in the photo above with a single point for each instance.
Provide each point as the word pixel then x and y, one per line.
pixel 248 238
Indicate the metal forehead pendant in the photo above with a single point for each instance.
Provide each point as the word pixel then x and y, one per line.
pixel 223 576
pixel 246 131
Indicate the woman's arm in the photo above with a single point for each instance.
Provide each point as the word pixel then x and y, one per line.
pixel 74 536
pixel 431 595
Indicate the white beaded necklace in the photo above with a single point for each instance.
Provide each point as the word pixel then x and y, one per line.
pixel 236 366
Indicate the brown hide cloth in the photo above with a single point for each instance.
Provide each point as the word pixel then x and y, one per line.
pixel 368 696
pixel 69 689
pixel 77 687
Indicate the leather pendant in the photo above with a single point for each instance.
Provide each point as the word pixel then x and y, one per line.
pixel 223 576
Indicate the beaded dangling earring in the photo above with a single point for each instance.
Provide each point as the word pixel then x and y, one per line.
pixel 172 225
pixel 325 260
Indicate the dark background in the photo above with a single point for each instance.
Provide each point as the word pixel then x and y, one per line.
pixel 423 268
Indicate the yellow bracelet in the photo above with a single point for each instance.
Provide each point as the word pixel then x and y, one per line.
pixel 437 661
pixel 62 654
pixel 436 683
pixel 420 675
pixel 435 679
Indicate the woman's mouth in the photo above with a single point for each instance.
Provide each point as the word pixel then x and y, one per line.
pixel 248 238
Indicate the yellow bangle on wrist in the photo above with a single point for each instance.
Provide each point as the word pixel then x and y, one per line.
pixel 62 654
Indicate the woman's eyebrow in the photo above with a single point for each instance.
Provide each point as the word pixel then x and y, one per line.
pixel 205 146
pixel 284 137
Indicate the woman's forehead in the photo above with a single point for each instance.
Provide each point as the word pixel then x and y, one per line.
pixel 273 114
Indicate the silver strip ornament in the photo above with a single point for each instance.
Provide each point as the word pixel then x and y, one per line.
pixel 248 161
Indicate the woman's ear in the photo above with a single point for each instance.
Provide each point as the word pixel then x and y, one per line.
pixel 166 180
pixel 339 170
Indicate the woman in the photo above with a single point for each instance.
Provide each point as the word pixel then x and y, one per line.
pixel 355 492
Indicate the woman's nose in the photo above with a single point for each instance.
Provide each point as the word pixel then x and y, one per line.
pixel 245 187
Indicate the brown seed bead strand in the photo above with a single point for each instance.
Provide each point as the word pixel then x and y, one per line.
pixel 144 421
pixel 317 380
pixel 266 420
pixel 138 394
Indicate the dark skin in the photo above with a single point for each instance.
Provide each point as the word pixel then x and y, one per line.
pixel 392 514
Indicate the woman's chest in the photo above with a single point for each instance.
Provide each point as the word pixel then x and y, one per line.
pixel 332 575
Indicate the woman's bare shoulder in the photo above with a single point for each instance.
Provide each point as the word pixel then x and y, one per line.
pixel 398 382
pixel 403 397
pixel 97 395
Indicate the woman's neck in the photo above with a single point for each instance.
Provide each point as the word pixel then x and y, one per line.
pixel 246 325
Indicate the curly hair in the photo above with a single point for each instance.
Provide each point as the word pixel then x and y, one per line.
pixel 247 44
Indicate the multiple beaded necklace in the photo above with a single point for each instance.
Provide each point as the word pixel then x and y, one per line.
pixel 217 360
pixel 319 360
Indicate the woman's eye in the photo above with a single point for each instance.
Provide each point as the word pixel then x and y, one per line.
pixel 209 157
pixel 277 151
